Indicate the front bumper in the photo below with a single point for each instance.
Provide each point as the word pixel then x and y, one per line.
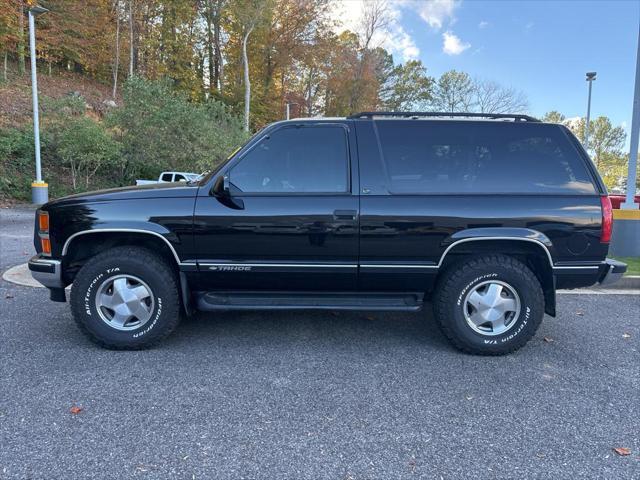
pixel 47 271
pixel 613 272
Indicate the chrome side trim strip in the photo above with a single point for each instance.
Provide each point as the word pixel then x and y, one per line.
pixel 131 230
pixel 369 265
pixel 577 267
pixel 303 265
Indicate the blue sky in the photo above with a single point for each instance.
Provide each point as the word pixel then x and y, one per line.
pixel 543 48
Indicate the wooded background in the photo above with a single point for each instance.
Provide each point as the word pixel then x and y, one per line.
pixel 132 87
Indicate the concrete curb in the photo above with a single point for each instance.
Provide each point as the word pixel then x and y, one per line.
pixel 20 275
pixel 626 282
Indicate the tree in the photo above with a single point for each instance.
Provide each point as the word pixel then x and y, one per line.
pixel 491 97
pixel 553 117
pixel 453 92
pixel 161 129
pixel 248 15
pixel 212 12
pixel 604 139
pixel 21 42
pixel 116 57
pixel 408 87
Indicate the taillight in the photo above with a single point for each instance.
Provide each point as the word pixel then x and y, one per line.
pixel 43 232
pixel 607 219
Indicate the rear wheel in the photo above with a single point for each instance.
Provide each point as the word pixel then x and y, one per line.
pixel 489 305
pixel 126 298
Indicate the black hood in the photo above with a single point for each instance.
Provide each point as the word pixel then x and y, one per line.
pixel 154 190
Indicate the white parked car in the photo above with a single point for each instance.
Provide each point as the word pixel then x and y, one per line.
pixel 168 177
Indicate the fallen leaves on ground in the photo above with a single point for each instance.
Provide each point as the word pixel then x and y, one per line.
pixel 548 339
pixel 75 410
pixel 622 451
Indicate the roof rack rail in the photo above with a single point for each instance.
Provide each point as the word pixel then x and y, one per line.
pixel 514 117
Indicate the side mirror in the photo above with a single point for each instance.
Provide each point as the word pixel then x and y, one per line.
pixel 221 187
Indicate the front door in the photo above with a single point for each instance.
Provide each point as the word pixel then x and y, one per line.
pixel 291 222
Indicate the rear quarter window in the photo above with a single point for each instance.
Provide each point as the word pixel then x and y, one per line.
pixel 428 157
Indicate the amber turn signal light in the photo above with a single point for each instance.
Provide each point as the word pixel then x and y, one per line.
pixel 46 246
pixel 43 221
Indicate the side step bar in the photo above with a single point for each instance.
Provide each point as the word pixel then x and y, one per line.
pixel 212 301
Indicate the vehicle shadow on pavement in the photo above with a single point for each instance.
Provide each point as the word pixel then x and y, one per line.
pixel 322 327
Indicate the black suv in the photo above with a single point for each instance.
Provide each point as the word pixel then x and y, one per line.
pixel 483 216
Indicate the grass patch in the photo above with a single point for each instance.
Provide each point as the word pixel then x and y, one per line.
pixel 633 264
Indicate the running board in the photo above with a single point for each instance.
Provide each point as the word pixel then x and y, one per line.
pixel 210 301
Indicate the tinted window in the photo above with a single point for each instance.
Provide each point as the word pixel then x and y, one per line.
pixel 480 157
pixel 166 177
pixel 295 160
pixel 179 178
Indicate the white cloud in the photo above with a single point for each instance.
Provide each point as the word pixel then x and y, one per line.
pixel 402 43
pixel 438 12
pixel 348 16
pixel 483 24
pixel 452 45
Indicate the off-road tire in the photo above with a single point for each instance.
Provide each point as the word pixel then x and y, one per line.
pixel 448 303
pixel 143 264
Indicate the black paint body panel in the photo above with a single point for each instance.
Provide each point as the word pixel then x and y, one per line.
pixel 393 243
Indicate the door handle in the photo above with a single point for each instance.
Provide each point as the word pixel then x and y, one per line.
pixel 345 214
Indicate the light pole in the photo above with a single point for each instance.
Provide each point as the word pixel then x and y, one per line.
pixel 633 147
pixel 39 189
pixel 591 76
pixel 626 221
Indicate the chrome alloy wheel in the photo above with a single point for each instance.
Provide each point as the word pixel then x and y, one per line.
pixel 491 307
pixel 124 302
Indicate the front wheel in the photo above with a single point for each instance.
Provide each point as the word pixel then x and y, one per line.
pixel 126 298
pixel 489 305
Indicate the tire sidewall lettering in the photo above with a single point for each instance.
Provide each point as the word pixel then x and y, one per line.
pixel 471 283
pixel 155 320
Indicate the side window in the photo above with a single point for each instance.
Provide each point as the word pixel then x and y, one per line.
pixel 166 177
pixel 307 159
pixel 480 157
pixel 179 178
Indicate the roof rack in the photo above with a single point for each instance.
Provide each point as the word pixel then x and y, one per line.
pixel 514 117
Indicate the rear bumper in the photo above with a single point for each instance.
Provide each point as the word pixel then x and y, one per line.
pixel 46 271
pixel 612 272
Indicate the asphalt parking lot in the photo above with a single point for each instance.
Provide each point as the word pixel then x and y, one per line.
pixel 314 395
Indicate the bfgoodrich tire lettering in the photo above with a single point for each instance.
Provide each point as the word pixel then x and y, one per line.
pixel 141 267
pixel 519 290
